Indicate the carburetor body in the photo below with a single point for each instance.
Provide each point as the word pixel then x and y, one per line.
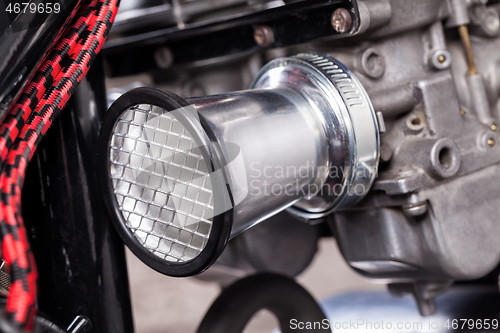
pixel 432 211
pixel 432 214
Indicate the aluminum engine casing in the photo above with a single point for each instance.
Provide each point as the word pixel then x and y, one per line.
pixel 432 214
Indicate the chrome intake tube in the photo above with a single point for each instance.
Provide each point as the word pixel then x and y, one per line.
pixel 306 134
pixel 267 137
pixel 185 176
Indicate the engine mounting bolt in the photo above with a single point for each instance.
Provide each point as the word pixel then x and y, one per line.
pixel 442 58
pixel 263 35
pixel 341 20
pixel 491 142
pixel 493 127
pixel 413 210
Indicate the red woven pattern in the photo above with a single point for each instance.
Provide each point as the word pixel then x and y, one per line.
pixel 42 100
pixel 34 90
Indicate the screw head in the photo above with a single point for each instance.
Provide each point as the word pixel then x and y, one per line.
pixel 491 142
pixel 440 59
pixel 263 35
pixel 494 127
pixel 341 20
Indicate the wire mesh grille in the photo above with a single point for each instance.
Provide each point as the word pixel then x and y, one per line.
pixel 161 183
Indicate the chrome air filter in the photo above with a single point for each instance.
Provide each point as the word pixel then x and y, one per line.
pixel 161 183
pixel 159 172
pixel 181 177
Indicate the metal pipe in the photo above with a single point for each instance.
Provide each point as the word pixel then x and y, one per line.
pixel 464 37
pixel 477 90
pixel 281 149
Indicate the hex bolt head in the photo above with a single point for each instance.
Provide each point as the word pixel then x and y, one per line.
pixel 263 35
pixel 341 20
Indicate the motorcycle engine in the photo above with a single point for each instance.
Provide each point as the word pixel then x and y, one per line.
pixel 431 69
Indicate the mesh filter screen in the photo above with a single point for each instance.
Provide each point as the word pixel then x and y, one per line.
pixel 161 183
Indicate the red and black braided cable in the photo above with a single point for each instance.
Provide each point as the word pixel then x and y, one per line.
pixel 42 100
pixel 36 86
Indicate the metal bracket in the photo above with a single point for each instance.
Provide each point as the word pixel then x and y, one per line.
pixel 292 24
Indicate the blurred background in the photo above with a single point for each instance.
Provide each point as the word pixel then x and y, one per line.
pixel 165 304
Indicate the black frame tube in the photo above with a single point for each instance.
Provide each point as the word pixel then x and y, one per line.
pixel 80 257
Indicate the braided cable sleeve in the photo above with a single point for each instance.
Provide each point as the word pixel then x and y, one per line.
pixel 62 71
pixel 41 80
